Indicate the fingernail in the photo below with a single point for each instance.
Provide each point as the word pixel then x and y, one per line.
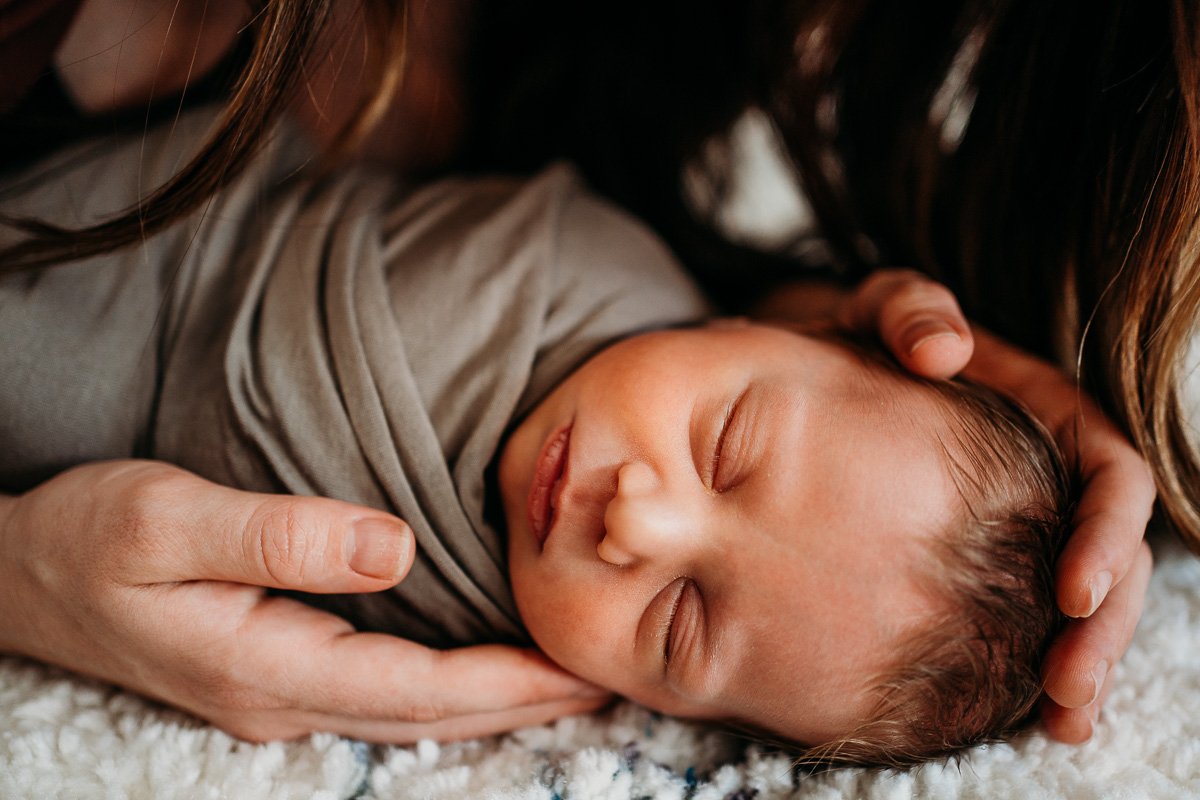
pixel 378 548
pixel 926 330
pixel 1099 672
pixel 1099 585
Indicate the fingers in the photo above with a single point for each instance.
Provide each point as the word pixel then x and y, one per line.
pixel 1079 662
pixel 463 727
pixel 1073 725
pixel 291 725
pixel 175 526
pixel 384 678
pixel 917 319
pixel 1108 531
pixel 315 545
pixel 382 688
pixel 1109 525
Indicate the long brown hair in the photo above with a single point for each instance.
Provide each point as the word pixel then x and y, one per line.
pixel 284 35
pixel 1043 159
pixel 1040 158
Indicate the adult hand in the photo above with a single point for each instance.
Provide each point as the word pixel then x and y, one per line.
pixel 918 320
pixel 1105 567
pixel 147 576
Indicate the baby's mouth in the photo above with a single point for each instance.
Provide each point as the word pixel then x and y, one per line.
pixel 548 474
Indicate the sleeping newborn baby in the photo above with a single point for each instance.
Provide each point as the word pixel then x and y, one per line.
pixel 775 530
pixel 742 523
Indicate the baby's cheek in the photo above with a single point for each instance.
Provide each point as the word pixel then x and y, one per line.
pixel 580 635
pixel 590 639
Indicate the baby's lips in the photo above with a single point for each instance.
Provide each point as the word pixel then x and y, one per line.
pixel 549 471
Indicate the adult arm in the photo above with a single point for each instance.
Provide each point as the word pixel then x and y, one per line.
pixel 147 576
pixel 1105 567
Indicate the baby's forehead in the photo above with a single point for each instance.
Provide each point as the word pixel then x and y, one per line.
pixel 860 374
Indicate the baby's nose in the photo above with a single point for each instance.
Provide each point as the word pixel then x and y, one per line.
pixel 643 520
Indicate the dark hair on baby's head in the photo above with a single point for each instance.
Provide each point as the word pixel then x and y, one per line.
pixel 972 673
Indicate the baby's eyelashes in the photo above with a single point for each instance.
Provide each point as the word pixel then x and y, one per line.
pixel 712 474
pixel 677 589
pixel 686 622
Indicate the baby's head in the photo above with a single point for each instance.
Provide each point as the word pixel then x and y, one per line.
pixel 785 534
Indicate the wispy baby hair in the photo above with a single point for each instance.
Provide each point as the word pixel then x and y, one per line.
pixel 972 673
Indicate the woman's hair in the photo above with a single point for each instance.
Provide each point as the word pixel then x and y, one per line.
pixel 285 35
pixel 1043 160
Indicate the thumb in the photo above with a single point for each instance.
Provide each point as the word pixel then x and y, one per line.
pixel 917 319
pixel 308 544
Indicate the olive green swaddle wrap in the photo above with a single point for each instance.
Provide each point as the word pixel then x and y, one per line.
pixel 340 337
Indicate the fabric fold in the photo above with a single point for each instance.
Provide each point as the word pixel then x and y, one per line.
pixel 347 337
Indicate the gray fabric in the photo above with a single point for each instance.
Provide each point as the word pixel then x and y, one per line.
pixel 337 337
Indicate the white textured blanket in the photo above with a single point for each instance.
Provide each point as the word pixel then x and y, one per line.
pixel 62 737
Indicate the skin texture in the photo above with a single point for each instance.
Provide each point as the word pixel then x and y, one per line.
pixel 715 506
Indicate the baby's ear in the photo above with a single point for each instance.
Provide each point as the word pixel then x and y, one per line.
pixel 727 322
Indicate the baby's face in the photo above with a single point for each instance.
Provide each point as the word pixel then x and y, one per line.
pixel 724 523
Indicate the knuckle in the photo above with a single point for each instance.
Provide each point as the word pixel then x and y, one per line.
pixel 425 709
pixel 894 299
pixel 145 482
pixel 921 296
pixel 141 513
pixel 237 701
pixel 287 543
